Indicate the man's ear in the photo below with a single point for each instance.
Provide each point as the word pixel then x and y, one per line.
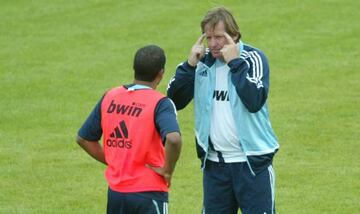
pixel 160 75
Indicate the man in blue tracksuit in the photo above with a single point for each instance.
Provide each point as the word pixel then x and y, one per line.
pixel 229 82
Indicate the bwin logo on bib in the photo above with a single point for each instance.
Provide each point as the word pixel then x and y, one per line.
pixel 119 137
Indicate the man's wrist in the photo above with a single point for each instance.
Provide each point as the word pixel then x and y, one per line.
pixel 191 67
pixel 167 175
pixel 235 63
pixel 191 64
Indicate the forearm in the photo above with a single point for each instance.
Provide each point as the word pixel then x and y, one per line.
pixel 252 90
pixel 172 152
pixel 93 148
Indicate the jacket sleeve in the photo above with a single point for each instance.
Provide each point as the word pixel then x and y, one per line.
pixel 250 75
pixel 181 86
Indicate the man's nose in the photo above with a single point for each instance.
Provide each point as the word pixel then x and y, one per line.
pixel 211 42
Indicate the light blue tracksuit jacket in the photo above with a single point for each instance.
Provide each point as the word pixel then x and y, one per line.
pixel 247 89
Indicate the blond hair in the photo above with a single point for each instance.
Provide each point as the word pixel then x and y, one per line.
pixel 217 14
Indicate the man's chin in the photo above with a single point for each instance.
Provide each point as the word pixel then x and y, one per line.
pixel 216 54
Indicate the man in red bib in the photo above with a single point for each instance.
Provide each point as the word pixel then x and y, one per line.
pixel 141 138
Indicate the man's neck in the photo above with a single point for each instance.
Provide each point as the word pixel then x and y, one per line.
pixel 150 84
pixel 220 61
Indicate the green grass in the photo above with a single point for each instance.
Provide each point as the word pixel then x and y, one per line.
pixel 58 57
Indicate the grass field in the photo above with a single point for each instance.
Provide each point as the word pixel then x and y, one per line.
pixel 58 57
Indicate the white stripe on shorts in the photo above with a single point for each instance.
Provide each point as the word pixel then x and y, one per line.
pixel 272 184
pixel 156 207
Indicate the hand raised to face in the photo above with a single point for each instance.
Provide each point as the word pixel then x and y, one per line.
pixel 197 51
pixel 230 51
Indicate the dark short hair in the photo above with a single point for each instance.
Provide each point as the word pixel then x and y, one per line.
pixel 217 14
pixel 148 62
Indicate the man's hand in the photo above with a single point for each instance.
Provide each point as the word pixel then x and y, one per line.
pixel 230 51
pixel 172 153
pixel 161 171
pixel 197 51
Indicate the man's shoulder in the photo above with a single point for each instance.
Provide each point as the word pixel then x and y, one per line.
pixel 250 48
pixel 250 52
pixel 165 103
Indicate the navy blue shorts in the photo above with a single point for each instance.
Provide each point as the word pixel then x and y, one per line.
pixel 230 186
pixel 137 203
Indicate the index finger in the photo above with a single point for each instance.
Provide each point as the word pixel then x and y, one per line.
pixel 229 39
pixel 201 38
